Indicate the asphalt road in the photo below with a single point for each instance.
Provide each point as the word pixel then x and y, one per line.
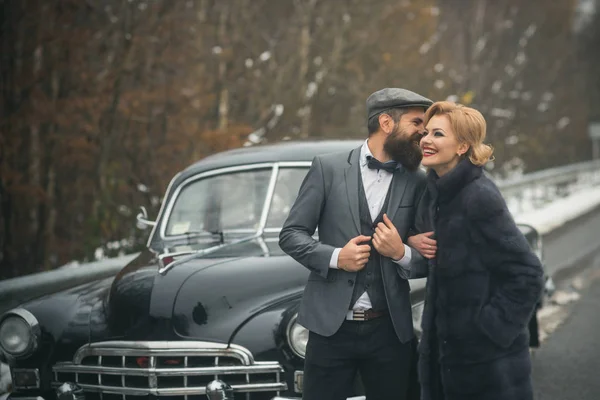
pixel 567 365
pixel 564 246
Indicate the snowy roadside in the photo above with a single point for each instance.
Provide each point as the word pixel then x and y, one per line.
pixel 561 211
pixel 544 219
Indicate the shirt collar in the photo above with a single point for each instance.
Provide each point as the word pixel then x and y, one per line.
pixel 364 153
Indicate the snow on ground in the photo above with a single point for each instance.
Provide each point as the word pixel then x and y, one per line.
pixel 562 210
pixel 103 262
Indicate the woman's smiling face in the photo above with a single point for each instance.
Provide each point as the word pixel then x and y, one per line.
pixel 441 147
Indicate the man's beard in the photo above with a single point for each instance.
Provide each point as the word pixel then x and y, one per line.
pixel 404 148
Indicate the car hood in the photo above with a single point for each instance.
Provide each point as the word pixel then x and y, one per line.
pixel 201 299
pixel 215 301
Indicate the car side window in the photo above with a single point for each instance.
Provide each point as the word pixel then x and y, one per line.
pixel 286 190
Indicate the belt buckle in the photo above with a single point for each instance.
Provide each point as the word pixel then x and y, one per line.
pixel 359 315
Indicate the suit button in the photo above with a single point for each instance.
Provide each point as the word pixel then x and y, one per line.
pixel 368 272
pixel 350 282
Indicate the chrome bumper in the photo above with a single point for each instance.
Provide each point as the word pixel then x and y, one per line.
pixel 300 398
pixel 9 396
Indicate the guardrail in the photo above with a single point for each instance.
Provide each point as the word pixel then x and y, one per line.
pixel 528 190
pixel 541 187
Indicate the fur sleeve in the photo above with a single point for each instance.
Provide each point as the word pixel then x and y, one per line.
pixel 516 272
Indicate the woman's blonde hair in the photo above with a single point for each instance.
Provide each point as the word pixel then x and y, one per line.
pixel 469 127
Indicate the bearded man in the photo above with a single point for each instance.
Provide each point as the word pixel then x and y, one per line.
pixel 356 303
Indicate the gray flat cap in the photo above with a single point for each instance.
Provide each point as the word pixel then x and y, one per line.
pixel 387 98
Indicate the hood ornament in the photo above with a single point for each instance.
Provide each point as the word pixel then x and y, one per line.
pixel 219 390
pixel 70 391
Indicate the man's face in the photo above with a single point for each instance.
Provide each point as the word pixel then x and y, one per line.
pixel 402 144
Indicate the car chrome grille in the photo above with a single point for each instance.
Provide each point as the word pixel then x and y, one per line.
pixel 126 370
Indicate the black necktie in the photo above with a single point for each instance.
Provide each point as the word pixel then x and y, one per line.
pixel 389 166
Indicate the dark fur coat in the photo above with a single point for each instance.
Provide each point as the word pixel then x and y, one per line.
pixel 482 289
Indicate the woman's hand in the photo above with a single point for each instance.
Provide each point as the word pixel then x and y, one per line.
pixel 424 244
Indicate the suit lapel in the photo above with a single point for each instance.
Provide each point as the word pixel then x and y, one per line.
pixel 351 175
pixel 398 187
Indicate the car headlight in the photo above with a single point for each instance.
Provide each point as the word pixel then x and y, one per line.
pixel 297 336
pixel 19 333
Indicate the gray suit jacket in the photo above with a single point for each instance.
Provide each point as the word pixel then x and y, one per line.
pixel 328 200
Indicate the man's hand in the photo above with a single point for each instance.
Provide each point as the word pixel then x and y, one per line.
pixel 387 240
pixel 424 244
pixel 353 255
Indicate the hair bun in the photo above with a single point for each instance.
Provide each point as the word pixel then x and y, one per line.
pixel 481 153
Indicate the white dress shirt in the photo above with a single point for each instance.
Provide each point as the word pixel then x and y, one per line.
pixel 376 184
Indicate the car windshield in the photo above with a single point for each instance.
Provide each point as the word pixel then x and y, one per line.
pixel 234 201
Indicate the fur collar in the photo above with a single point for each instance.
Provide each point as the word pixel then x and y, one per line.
pixel 449 185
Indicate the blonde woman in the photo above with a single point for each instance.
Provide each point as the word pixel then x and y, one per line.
pixel 483 281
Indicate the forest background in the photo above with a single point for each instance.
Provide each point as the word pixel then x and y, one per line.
pixel 103 101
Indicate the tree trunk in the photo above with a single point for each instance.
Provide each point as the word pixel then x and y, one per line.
pixel 304 54
pixel 107 137
pixel 49 233
pixel 35 181
pixel 224 90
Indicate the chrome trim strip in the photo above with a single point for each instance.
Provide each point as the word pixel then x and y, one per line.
pixel 176 254
pixel 208 236
pixel 99 375
pixel 272 230
pixel 295 164
pixel 263 246
pixel 277 230
pixel 163 348
pixel 259 387
pixel 9 396
pixel 152 378
pixel 268 199
pixel 67 367
pixel 299 398
pixel 185 377
pixel 286 398
pixel 123 382
pixel 160 211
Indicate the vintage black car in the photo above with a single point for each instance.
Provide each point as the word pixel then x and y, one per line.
pixel 210 306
